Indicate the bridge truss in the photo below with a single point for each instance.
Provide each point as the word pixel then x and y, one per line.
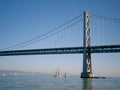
pixel 66 50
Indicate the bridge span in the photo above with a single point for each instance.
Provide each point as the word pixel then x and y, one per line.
pixel 86 49
pixel 64 50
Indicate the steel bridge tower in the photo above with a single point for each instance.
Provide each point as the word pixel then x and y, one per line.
pixel 87 66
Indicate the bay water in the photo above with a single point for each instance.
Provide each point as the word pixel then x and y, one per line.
pixel 51 83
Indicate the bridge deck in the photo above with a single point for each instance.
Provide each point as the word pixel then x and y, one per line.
pixel 65 50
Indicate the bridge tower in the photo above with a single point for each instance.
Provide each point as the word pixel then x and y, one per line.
pixel 87 67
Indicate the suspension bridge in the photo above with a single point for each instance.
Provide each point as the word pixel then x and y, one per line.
pixel 74 37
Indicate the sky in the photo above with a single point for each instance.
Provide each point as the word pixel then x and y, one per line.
pixel 22 20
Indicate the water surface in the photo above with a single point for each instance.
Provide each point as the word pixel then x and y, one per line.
pixel 51 83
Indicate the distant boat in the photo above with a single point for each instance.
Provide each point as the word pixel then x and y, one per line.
pixel 66 75
pixel 57 74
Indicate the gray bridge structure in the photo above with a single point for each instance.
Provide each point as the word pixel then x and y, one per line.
pixel 66 50
pixel 86 50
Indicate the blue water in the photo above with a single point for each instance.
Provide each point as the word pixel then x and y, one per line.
pixel 51 83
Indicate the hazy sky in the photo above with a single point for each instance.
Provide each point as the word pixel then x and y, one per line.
pixel 22 20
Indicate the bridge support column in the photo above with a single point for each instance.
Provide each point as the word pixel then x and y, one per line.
pixel 87 67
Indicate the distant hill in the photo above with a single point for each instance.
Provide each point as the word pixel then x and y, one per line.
pixel 17 73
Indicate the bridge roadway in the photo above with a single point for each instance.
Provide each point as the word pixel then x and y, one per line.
pixel 65 50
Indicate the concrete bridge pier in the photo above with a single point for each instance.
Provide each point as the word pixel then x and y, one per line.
pixel 87 66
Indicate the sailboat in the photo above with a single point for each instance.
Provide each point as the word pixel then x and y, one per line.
pixel 66 75
pixel 57 74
